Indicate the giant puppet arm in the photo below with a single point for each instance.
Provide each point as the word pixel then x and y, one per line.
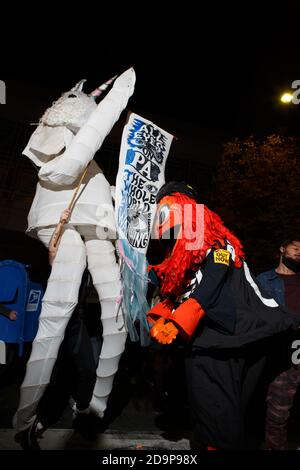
pixel 67 168
pixel 167 322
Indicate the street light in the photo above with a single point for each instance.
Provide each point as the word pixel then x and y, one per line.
pixel 286 98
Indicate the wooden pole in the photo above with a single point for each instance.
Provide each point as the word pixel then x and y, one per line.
pixel 58 230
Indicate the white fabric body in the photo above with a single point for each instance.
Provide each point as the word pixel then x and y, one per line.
pixel 93 205
pixel 59 302
pixel 63 157
pixel 60 172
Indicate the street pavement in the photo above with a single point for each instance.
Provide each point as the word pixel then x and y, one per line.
pixel 137 418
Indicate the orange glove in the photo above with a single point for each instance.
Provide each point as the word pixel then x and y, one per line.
pixel 161 310
pixel 163 332
pixel 187 316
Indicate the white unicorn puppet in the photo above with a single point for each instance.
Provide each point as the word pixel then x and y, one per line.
pixel 64 143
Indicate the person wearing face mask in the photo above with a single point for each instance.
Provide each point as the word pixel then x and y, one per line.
pixel 283 283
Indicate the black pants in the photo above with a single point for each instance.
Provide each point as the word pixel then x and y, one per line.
pixel 74 374
pixel 220 385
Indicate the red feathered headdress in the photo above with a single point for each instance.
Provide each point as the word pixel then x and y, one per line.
pixel 195 229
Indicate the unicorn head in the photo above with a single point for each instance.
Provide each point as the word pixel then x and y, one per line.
pixel 71 110
pixel 61 122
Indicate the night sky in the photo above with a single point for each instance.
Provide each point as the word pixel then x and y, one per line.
pixel 217 71
pixel 207 76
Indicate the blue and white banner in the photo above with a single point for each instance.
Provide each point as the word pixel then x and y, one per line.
pixel 143 155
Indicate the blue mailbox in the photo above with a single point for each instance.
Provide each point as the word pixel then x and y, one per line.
pixel 18 293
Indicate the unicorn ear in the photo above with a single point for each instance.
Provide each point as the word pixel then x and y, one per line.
pixel 79 85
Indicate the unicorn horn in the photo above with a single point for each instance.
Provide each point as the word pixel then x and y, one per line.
pixel 98 91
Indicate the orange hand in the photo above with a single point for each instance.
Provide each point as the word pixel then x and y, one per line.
pixel 163 332
pixel 156 326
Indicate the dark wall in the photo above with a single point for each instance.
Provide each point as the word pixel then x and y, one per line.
pixel 19 247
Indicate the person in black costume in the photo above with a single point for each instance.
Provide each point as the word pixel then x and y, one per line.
pixel 212 301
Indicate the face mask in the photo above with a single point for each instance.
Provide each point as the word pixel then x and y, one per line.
pixel 291 264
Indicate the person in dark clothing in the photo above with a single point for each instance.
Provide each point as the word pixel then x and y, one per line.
pixel 74 375
pixel 6 312
pixel 212 300
pixel 283 284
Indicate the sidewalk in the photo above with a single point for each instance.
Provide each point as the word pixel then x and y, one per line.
pixel 67 439
pixel 133 423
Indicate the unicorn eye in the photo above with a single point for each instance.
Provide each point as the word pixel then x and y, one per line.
pixel 72 96
pixel 163 214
